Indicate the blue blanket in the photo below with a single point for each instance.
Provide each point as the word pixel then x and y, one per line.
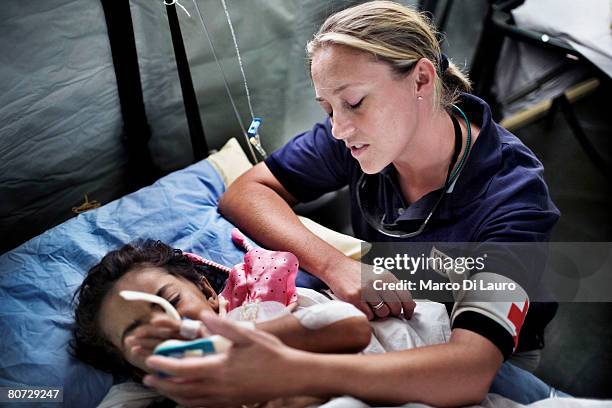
pixel 38 279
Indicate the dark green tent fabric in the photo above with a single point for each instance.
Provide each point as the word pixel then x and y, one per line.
pixel 60 118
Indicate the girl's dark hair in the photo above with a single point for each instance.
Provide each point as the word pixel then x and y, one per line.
pixel 89 343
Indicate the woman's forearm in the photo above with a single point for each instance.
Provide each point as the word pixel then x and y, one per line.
pixel 449 374
pixel 255 205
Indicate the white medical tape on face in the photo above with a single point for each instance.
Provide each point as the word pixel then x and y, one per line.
pixel 323 314
pixel 190 329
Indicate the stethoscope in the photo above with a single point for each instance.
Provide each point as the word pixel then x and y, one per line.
pixel 392 229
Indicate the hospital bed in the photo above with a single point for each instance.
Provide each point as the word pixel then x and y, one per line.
pixel 39 278
pixel 74 115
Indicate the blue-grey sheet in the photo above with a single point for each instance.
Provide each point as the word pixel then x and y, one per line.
pixel 38 279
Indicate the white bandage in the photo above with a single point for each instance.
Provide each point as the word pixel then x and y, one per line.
pixel 190 329
pixel 323 314
pixel 245 324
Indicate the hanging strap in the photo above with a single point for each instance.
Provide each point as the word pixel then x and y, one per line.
pixel 136 132
pixel 192 110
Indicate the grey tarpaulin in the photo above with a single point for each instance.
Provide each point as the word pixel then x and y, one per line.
pixel 60 118
pixel 59 113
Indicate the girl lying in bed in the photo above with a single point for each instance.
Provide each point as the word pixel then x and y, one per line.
pixel 117 335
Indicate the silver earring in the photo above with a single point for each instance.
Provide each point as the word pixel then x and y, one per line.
pixel 419 98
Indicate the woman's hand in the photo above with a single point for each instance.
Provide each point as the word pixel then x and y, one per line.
pixel 233 377
pixel 353 282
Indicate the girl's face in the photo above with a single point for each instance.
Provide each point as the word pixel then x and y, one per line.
pixel 372 110
pixel 119 317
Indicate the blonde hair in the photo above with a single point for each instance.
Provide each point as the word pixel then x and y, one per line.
pixel 397 35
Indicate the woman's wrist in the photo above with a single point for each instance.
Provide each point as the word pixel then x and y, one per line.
pixel 319 375
pixel 333 265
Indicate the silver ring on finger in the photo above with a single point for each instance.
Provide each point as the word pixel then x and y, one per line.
pixel 379 305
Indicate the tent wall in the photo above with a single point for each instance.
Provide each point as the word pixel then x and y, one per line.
pixel 271 35
pixel 60 118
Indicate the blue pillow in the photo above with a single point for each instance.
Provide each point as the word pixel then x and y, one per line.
pixel 38 279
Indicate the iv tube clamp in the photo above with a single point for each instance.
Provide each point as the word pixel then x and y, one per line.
pixel 254 136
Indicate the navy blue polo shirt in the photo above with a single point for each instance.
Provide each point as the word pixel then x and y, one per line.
pixel 500 195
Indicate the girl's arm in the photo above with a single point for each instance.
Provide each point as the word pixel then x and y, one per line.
pixel 343 335
pixel 349 335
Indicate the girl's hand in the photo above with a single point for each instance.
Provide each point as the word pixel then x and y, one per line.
pixel 143 340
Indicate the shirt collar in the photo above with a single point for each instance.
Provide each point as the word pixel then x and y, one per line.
pixel 485 158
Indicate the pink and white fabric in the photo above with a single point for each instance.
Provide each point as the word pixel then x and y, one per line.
pixel 263 276
pixel 198 259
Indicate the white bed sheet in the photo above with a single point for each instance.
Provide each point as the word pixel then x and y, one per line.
pixel 492 401
pixel 429 325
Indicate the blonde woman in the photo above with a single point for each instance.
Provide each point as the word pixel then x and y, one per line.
pixel 425 162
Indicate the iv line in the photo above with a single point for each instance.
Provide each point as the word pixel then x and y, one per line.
pixel 255 122
pixel 227 89
pixel 246 86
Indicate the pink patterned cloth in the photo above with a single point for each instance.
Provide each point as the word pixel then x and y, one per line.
pixel 198 259
pixel 264 276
